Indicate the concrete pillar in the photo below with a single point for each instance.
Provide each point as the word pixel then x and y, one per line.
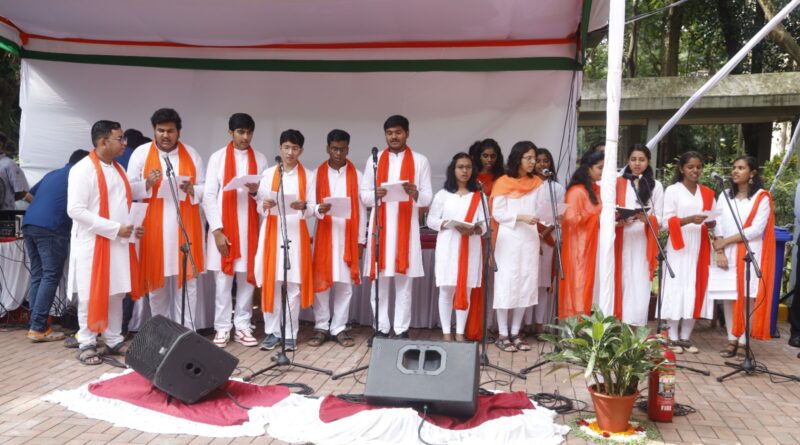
pixel 653 126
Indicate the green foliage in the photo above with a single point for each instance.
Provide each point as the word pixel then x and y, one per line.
pixel 616 356
pixel 9 95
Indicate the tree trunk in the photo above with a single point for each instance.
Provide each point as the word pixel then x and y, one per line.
pixel 779 33
pixel 630 57
pixel 669 63
pixel 730 31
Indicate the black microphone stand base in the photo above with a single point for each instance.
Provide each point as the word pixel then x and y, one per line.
pixel 749 367
pixel 280 359
pixel 485 363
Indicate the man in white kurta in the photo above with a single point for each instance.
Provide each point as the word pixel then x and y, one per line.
pixel 241 127
pixel 396 132
pixel 83 206
pixel 327 321
pixel 166 122
pixel 296 210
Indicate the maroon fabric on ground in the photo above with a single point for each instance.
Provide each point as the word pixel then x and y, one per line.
pixel 215 409
pixel 489 407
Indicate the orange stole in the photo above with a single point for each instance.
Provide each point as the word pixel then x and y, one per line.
pixel 487 181
pixel 152 243
pixel 460 299
pixel 762 312
pixel 511 188
pixel 404 214
pixel 579 234
pixel 101 258
pixel 230 216
pixel 271 250
pixel 651 254
pixel 323 238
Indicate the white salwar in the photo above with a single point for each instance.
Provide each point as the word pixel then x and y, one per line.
pixel 167 300
pixel 402 304
pixel 83 206
pixel 636 283
pixel 212 206
pixel 447 206
pixel 291 186
pixel 336 321
pixel 726 227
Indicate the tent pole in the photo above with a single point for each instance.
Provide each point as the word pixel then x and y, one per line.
pixel 786 157
pixel 722 73
pixel 608 190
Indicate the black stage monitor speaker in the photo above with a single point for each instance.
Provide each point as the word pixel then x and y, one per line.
pixel 178 361
pixel 443 375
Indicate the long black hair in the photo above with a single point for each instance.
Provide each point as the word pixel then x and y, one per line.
pixel 755 184
pixel 450 183
pixel 683 160
pixel 647 176
pixel 546 152
pixel 581 175
pixel 515 157
pixel 477 149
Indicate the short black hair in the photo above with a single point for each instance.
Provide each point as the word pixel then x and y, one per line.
pixel 515 157
pixel 293 136
pixel 166 115
pixel 76 156
pixel 477 149
pixel 135 137
pixel 103 129
pixel 338 136
pixel 396 121
pixel 241 120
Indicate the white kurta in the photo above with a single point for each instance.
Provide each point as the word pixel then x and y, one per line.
pixel 170 232
pixel 679 293
pixel 448 206
pixel 636 283
pixel 83 206
pixel 293 217
pixel 546 268
pixel 726 226
pixel 422 178
pixel 212 203
pixel 516 252
pixel 337 180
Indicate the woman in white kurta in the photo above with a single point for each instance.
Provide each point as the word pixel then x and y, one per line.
pixel 748 185
pixel 514 200
pixel 682 216
pixel 450 208
pixel 634 262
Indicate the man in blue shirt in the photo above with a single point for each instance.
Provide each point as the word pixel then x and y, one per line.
pixel 135 138
pixel 46 231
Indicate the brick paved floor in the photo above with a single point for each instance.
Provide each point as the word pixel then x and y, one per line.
pixel 745 409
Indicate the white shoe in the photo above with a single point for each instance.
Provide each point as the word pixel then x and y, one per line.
pixel 221 338
pixel 245 337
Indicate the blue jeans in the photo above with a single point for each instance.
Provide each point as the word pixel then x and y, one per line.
pixel 47 251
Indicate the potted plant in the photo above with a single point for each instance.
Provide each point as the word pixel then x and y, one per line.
pixel 615 358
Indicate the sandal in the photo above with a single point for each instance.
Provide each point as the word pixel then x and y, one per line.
pixel 521 344
pixel 345 340
pixel 730 350
pixel 89 356
pixel 318 338
pixel 688 346
pixel 118 349
pixel 675 347
pixel 505 345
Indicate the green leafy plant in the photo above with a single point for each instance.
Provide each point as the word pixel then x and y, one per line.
pixel 613 354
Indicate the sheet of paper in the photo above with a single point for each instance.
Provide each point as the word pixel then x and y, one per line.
pixel 394 191
pixel 721 280
pixel 165 192
pixel 712 214
pixel 240 182
pixel 545 211
pixel 453 223
pixel 289 199
pixel 136 216
pixel 340 206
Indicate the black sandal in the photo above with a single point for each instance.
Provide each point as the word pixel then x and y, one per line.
pixel 505 345
pixel 118 349
pixel 521 344
pixel 730 350
pixel 89 356
pixel 345 340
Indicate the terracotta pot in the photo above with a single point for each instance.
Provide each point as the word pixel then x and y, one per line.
pixel 613 412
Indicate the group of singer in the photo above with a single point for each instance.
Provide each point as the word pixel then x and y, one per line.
pixel 120 247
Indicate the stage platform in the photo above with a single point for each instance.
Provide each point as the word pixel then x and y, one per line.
pixel 744 409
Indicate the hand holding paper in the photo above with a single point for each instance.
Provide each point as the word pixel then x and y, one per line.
pixel 165 192
pixel 240 182
pixel 136 216
pixel 712 214
pixel 340 206
pixel 394 191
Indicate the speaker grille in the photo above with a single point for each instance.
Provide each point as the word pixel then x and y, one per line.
pixel 151 344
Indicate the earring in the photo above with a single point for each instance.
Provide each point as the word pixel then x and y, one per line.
pixel 750 181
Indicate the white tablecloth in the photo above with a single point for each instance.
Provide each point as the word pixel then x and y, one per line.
pixel 15 279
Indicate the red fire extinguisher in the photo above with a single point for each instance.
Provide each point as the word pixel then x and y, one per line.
pixel 661 391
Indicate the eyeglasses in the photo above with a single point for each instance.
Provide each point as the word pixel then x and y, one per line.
pixel 529 158
pixel 122 140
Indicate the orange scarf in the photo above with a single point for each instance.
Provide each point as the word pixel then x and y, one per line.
pixel 271 250
pixel 230 216
pixel 323 238
pixel 762 312
pixel 579 246
pixel 511 188
pixel 651 252
pixel 487 181
pixel 404 214
pixel 703 256
pixel 460 301
pixel 152 243
pixel 101 260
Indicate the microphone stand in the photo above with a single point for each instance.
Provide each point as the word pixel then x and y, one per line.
pixel 559 267
pixel 186 251
pixel 748 366
pixel 280 358
pixel 488 259
pixel 376 236
pixel 662 261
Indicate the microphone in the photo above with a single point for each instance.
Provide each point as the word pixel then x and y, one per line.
pixel 480 186
pixel 169 164
pixel 375 155
pixel 279 161
pixel 631 176
pixel 716 176
pixel 546 172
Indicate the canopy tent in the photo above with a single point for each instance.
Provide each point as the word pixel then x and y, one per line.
pixel 461 70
